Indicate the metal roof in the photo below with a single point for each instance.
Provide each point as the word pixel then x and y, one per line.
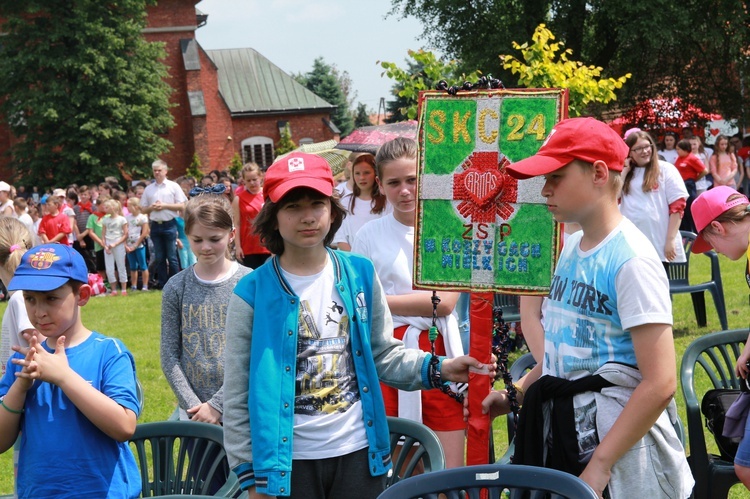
pixel 251 84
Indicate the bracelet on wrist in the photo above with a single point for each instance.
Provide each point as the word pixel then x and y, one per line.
pixel 434 374
pixel 12 411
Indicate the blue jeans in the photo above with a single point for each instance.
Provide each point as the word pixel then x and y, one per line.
pixel 743 452
pixel 164 237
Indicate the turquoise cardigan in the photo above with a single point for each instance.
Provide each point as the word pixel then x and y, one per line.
pixel 269 385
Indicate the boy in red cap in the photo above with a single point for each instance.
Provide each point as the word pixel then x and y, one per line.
pixel 303 412
pixel 595 406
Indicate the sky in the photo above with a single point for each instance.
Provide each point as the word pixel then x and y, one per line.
pixel 350 34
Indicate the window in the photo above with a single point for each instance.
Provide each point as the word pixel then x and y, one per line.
pixel 258 150
pixel 306 140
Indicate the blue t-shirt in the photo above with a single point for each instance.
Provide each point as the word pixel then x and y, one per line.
pixel 62 454
pixel 597 296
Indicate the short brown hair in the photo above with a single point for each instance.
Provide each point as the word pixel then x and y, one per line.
pixel 266 225
pixel 684 144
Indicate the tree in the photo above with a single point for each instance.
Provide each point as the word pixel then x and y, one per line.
pixel 544 66
pixel 362 116
pixel 325 81
pixel 285 143
pixel 235 167
pixel 693 49
pixel 423 72
pixel 83 90
pixel 194 170
pixel 475 32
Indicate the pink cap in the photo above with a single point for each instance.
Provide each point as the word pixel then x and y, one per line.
pixel 585 139
pixel 297 169
pixel 707 207
pixel 630 131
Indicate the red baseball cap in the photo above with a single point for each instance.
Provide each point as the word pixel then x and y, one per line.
pixel 707 207
pixel 297 169
pixel 585 139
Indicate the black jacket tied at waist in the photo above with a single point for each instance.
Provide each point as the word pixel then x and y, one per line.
pixel 530 437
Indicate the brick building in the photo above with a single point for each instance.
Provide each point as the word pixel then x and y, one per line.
pixel 225 101
pixel 228 101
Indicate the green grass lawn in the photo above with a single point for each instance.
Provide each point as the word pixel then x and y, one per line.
pixel 136 320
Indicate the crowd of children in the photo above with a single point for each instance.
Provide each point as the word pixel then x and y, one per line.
pixel 78 215
pixel 343 335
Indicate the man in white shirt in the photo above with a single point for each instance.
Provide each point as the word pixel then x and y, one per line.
pixel 162 201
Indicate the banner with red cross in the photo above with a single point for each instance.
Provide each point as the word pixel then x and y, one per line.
pixel 478 228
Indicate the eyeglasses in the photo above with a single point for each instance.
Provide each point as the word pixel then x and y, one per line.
pixel 641 149
pixel 215 189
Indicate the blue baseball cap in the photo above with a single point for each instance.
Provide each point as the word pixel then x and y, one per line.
pixel 47 267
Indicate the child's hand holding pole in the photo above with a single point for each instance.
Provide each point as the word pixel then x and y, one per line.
pixel 457 369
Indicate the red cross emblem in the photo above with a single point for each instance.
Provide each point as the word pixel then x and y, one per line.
pixel 296 164
pixel 484 188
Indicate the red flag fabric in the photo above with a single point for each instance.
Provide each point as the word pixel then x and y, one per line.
pixel 480 347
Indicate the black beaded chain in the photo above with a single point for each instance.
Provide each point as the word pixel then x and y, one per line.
pixel 434 370
pixel 502 345
pixel 483 82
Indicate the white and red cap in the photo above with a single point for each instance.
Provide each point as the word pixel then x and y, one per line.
pixel 297 169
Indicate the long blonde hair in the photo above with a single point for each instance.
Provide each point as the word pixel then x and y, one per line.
pixel 114 205
pixel 15 240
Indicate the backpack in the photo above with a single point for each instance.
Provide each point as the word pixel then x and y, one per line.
pixel 714 406
pixel 97 284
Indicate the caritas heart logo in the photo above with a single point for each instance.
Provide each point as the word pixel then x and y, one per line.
pixel 484 188
pixel 719 127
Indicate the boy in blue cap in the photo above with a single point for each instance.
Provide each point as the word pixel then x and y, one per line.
pixel 72 397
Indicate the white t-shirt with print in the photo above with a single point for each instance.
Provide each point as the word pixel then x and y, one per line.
pixel 649 211
pixel 596 298
pixel 328 416
pixel 114 226
pixel 135 227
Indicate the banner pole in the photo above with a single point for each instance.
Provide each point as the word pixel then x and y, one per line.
pixel 480 347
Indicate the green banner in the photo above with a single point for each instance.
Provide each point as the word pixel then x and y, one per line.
pixel 478 228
